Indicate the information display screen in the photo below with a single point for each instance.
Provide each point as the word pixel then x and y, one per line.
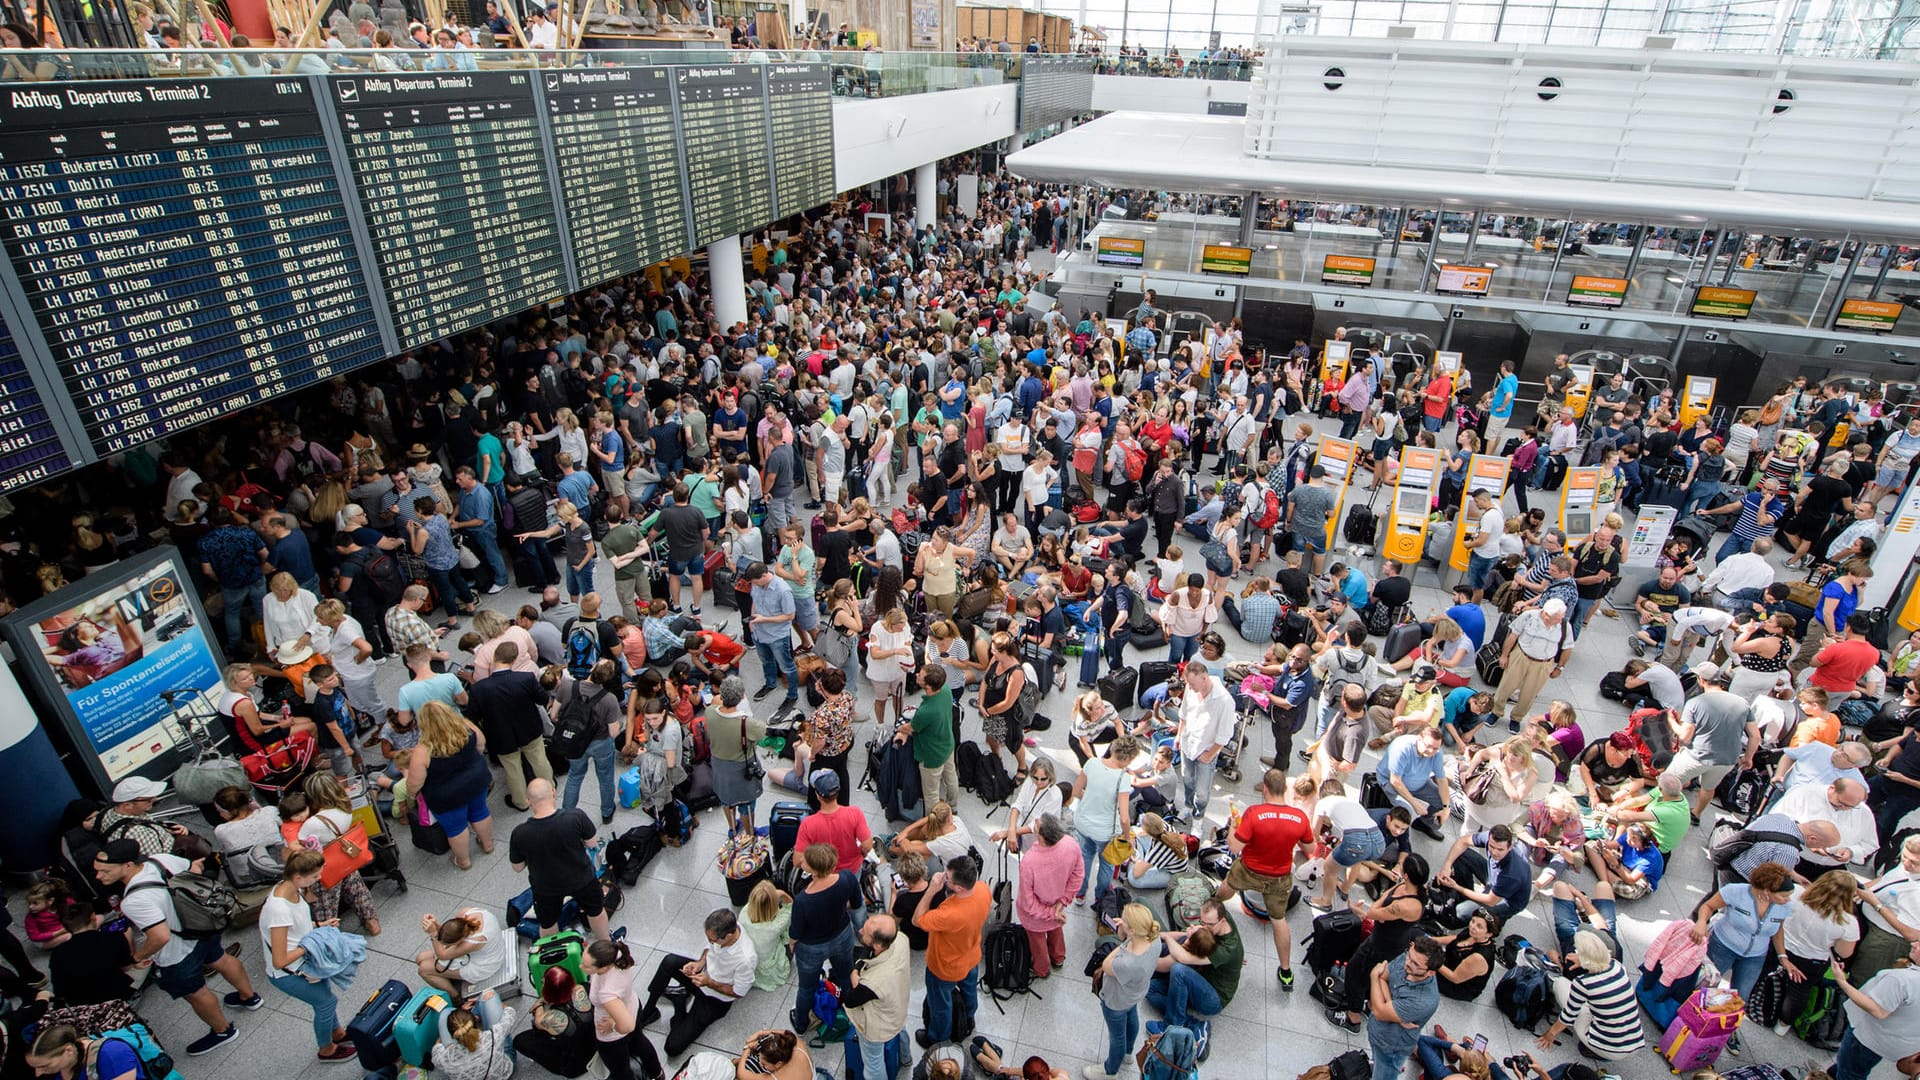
pixel 1356 270
pixel 619 158
pixel 452 178
pixel 1597 291
pixel 30 448
pixel 183 246
pixel 723 123
pixel 800 99
pixel 1224 259
pixel 1053 89
pixel 1876 316
pixel 1716 302
pixel 1119 251
pixel 1467 280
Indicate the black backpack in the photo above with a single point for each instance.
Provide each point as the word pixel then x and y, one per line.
pixel 630 852
pixel 989 774
pixel 1729 845
pixel 1352 1065
pixel 1009 962
pixel 574 731
pixel 382 571
pixel 1523 994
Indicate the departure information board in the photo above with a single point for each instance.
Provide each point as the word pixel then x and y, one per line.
pixel 619 158
pixel 30 449
pixel 451 169
pixel 723 126
pixel 1054 88
pixel 800 97
pixel 183 246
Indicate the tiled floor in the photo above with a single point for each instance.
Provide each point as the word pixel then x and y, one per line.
pixel 1265 1034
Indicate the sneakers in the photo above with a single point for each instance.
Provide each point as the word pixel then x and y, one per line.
pixel 694 611
pixel 764 692
pixel 340 1052
pixel 1286 979
pixel 235 1000
pixel 212 1040
pixel 1780 1028
pixel 675 608
pixel 1338 1018
pixel 1097 1072
pixel 496 587
pixel 1203 1039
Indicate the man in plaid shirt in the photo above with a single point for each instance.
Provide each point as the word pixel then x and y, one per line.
pixel 407 628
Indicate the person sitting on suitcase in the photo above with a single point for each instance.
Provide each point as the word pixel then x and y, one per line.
pixel 704 988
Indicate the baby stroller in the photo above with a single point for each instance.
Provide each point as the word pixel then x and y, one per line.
pixel 279 768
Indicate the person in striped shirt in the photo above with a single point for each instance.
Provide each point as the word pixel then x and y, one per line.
pixel 1596 1002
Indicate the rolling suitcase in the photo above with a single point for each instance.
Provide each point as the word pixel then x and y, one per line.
pixel 372 1027
pixel 1400 641
pixel 417 1027
pixel 783 827
pixel 1699 1033
pixel 1155 673
pixel 1117 688
pixel 1486 663
pixel 563 950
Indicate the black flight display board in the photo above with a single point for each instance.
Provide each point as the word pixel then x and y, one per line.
pixel 723 126
pixel 182 246
pixel 801 96
pixel 452 174
pixel 30 448
pixel 619 160
pixel 1054 88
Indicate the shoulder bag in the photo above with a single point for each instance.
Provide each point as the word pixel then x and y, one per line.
pixel 345 853
pixel 1119 850
pixel 751 766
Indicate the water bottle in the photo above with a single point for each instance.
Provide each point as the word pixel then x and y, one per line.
pixel 286 714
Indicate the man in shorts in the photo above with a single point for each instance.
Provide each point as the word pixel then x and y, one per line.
pixel 1263 844
pixel 551 846
pixel 180 962
pixel 1715 732
pixel 685 529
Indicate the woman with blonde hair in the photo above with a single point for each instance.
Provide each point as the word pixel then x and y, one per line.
pixel 1092 720
pixel 471 1052
pixel 287 611
pixel 579 546
pixel 1448 648
pixel 1496 799
pixel 448 770
pixel 1122 985
pixel 329 817
pixel 1821 928
pixel 765 919
pixel 573 438
pixel 939 836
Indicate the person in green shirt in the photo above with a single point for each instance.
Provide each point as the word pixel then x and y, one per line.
pixel 490 461
pixel 704 495
pixel 932 730
pixel 1667 812
pixel 622 548
pixel 1200 973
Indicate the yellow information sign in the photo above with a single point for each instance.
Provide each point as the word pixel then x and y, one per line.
pixel 1333 359
pixel 1222 259
pixel 1577 498
pixel 1876 316
pixel 1579 388
pixel 1487 472
pixel 1721 303
pixel 1353 270
pixel 1412 499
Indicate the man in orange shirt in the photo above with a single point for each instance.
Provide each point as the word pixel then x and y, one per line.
pixel 1438 395
pixel 1817 723
pixel 1264 844
pixel 1838 667
pixel 714 653
pixel 954 931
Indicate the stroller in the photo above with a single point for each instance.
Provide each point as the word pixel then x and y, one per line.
pixel 279 768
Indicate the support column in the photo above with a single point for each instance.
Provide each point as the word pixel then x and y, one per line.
pixel 1846 279
pixel 729 281
pixel 1249 217
pixel 926 195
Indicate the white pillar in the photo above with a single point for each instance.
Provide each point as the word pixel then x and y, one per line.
pixel 926 195
pixel 729 281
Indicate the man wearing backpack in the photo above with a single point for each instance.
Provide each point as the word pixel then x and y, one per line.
pixel 368 589
pixel 180 961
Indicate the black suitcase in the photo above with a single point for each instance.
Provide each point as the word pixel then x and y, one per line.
pixel 1117 688
pixel 1372 795
pixel 1155 673
pixel 739 890
pixel 1362 526
pixel 723 591
pixel 783 827
pixel 1486 663
pixel 1335 937
pixel 372 1027
pixel 697 789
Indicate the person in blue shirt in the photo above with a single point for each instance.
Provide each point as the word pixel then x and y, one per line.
pixel 290 551
pixel 1490 859
pixel 1351 583
pixel 475 521
pixel 1466 709
pixel 576 484
pixel 1412 773
pixel 1630 862
pixel 1503 394
pixel 1469 616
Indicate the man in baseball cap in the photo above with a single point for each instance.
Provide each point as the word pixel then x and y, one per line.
pixel 845 828
pixel 180 962
pixel 128 818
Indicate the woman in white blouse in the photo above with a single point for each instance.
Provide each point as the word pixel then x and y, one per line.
pixel 1890 905
pixel 287 612
pixel 573 438
pixel 1038 796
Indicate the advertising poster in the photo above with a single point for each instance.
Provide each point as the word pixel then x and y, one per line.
pixel 1648 534
pixel 104 649
pixel 1715 302
pixel 1874 316
pixel 1222 259
pixel 925 17
pixel 1597 291
pixel 1352 270
pixel 1469 280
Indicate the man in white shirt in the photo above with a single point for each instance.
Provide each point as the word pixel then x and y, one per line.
pixel 1011 441
pixel 541 33
pixel 181 481
pixel 1841 803
pixel 1485 541
pixel 1690 626
pixel 1205 725
pixel 721 976
pixel 1740 581
pixel 180 962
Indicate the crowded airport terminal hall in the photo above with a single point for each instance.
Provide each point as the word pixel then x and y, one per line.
pixel 904 540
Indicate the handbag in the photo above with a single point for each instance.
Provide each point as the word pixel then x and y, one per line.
pixel 468 559
pixel 834 646
pixel 751 766
pixel 1478 784
pixel 345 853
pixel 1119 850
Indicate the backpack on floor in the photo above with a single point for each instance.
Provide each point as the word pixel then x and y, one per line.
pixel 1352 1065
pixel 675 824
pixel 630 852
pixel 1335 937
pixel 989 773
pixel 1008 962
pixel 1613 686
pixel 1185 893
pixel 1822 1023
pixel 1523 994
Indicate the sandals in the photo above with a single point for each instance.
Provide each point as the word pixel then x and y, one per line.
pixel 1019 777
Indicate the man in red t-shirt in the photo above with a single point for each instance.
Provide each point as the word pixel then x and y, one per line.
pixel 714 652
pixel 845 828
pixel 1438 395
pixel 1264 843
pixel 1838 667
